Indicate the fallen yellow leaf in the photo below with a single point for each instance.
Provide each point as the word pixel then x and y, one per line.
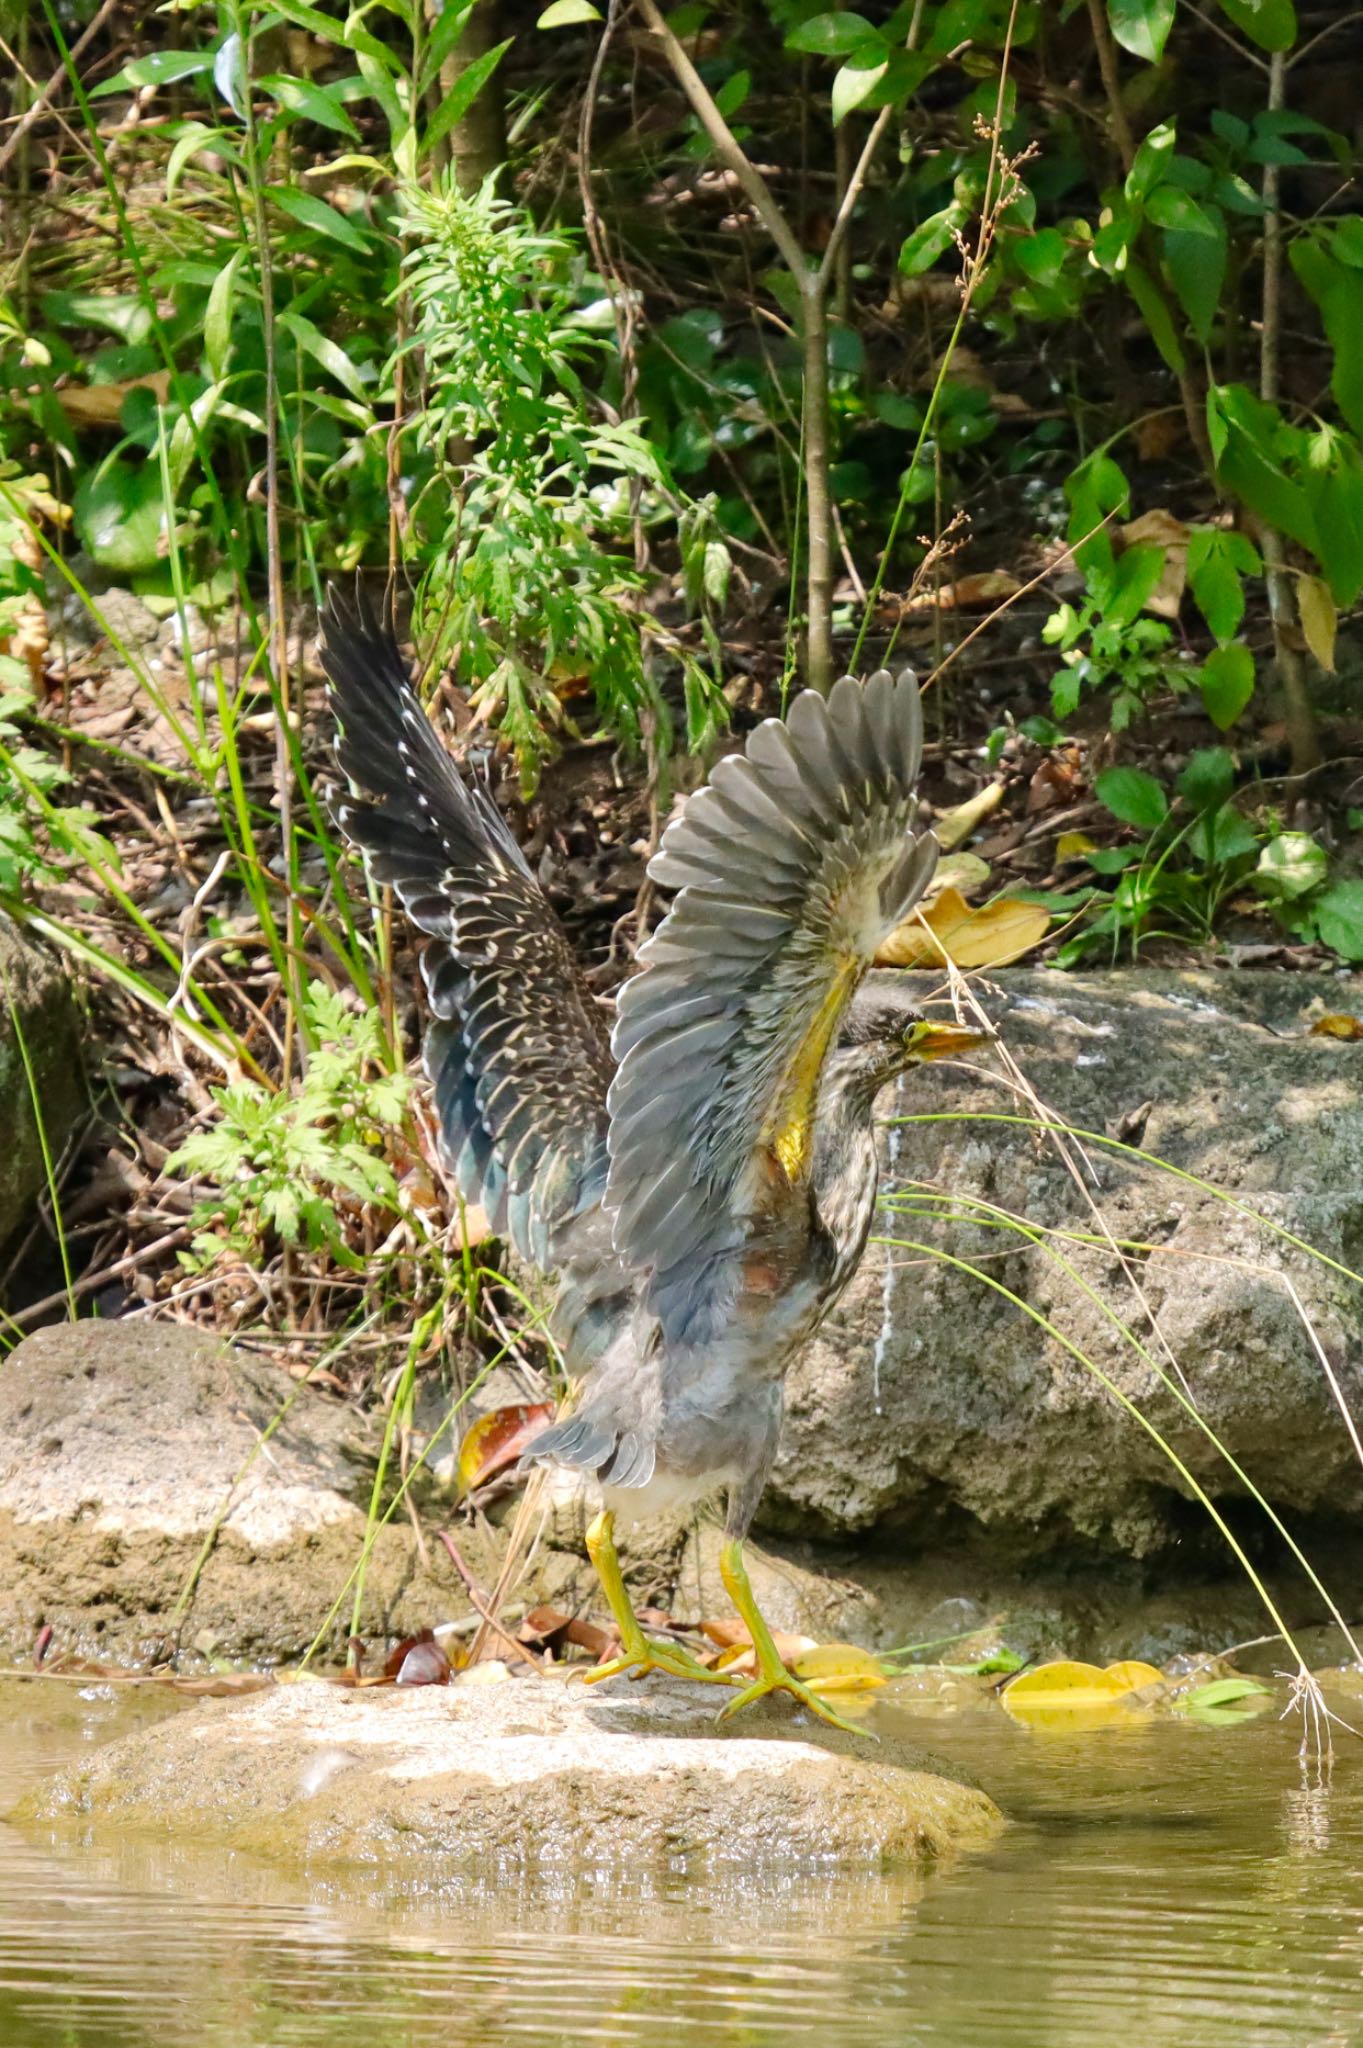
pixel 1070 1697
pixel 839 1667
pixel 1073 845
pixel 956 825
pixel 1161 529
pixel 1337 1024
pixel 990 936
pixel 99 405
pixel 1133 1675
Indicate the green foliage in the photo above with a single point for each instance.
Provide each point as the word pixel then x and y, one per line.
pixel 1193 852
pixel 285 1162
pixel 526 478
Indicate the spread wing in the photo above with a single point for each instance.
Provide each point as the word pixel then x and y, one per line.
pixel 518 1053
pixel 793 865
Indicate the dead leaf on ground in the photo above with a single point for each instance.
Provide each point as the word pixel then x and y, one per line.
pixel 100 405
pixel 957 824
pixel 967 593
pixel 548 1628
pixel 497 1440
pixel 1337 1024
pixel 989 936
pixel 1073 846
pixel 733 1639
pixel 418 1660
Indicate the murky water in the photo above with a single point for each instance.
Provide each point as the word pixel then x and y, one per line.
pixel 1166 1885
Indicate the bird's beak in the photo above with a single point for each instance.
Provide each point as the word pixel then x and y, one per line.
pixel 945 1041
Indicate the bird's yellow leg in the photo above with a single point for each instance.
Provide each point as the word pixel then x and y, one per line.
pixel 640 1652
pixel 772 1675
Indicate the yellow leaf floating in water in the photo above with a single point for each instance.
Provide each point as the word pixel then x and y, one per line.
pixel 839 1667
pixel 988 937
pixel 1070 1698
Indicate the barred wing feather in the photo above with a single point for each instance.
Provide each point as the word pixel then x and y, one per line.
pixel 793 865
pixel 518 1055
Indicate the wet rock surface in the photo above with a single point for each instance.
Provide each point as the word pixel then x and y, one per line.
pixel 434 1787
pixel 927 1396
pixel 38 1017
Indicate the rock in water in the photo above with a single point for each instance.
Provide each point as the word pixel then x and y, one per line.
pixel 439 1787
pixel 36 1007
pixel 927 1395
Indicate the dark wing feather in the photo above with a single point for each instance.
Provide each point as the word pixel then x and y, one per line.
pixel 518 1055
pixel 793 865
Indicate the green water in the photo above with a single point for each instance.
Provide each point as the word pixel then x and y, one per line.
pixel 1161 1885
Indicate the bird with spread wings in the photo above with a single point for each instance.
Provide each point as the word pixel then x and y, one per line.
pixel 701 1175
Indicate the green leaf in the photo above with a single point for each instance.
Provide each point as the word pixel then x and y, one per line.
pixel 310 103
pixel 468 85
pixel 1155 313
pixel 1221 1692
pixel 1216 561
pixel 1291 865
pixel 1197 270
pixel 331 356
pixel 1339 919
pixel 1249 438
pixel 218 316
pixel 158 67
pixel 1169 206
pixel 568 13
pixel 1337 289
pixel 1334 487
pixel 1133 796
pixel 1137 571
pixel 1142 26
pixel 1272 24
pixel 229 74
pixel 929 240
pixel 1227 683
pixel 857 80
pixel 832 35
pixel 1151 160
pixel 314 213
pixel 121 516
pixel 1041 256
pixel 1208 779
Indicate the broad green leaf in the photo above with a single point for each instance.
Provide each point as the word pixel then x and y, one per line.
pixel 568 13
pixel 929 240
pixel 1337 289
pixel 832 35
pixel 468 85
pixel 1216 562
pixel 1197 270
pixel 1133 796
pixel 1208 779
pixel 1227 683
pixel 229 74
pixel 1151 160
pixel 325 27
pixel 856 80
pixel 733 92
pixel 158 67
pixel 1221 836
pixel 1339 919
pixel 325 351
pixel 1169 206
pixel 1333 482
pixel 310 102
pixel 1155 313
pixel 1221 1692
pixel 121 516
pixel 1134 578
pixel 1041 256
pixel 1249 438
pixel 314 213
pixel 1272 24
pixel 1142 26
pixel 1292 864
pixel 218 316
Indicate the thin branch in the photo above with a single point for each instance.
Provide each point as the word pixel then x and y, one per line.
pixel 729 148
pixel 41 104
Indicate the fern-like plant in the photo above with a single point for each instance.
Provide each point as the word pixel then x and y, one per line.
pixel 531 482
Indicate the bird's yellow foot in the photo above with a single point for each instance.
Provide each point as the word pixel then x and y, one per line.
pixel 644 1655
pixel 639 1653
pixel 772 1675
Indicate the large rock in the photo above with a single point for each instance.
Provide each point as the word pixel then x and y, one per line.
pixel 133 1455
pixel 436 1788
pixel 930 1401
pixel 37 1016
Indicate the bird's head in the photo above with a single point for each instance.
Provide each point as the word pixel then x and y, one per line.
pixel 881 1041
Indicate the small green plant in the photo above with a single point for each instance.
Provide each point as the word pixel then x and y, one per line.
pixel 1196 852
pixel 283 1163
pixel 528 478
